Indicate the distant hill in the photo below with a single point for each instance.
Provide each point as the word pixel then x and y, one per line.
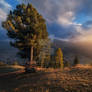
pixel 6 51
pixel 71 49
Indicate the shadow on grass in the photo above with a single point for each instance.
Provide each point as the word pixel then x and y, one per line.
pixel 28 82
pixel 56 81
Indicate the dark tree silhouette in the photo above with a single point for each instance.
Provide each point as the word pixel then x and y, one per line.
pixel 76 61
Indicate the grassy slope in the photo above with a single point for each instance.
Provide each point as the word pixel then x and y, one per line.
pixel 9 68
pixel 70 80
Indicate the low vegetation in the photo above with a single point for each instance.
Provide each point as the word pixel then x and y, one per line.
pixel 75 79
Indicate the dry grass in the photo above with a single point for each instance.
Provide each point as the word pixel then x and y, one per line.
pixel 87 66
pixel 17 67
pixel 76 79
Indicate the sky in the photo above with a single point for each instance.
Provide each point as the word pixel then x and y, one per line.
pixel 68 20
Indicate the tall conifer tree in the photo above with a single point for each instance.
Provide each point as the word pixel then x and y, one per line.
pixel 59 59
pixel 26 27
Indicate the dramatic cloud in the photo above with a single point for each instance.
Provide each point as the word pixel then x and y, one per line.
pixel 70 19
pixel 53 10
pixel 4 8
pixel 67 18
pixel 3 15
pixel 4 5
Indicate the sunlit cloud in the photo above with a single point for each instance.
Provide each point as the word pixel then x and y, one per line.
pixel 66 18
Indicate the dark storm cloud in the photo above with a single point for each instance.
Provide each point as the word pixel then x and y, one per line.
pixel 62 32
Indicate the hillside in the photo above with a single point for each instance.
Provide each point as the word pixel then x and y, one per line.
pixel 69 80
pixel 71 49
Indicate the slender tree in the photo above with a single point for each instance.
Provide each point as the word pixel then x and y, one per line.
pixel 59 59
pixel 76 61
pixel 66 64
pixel 26 27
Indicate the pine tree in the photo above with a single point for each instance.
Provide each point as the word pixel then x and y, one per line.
pixel 59 59
pixel 26 27
pixel 76 61
pixel 44 55
pixel 66 64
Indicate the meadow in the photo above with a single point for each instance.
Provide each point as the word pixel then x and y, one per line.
pixel 74 79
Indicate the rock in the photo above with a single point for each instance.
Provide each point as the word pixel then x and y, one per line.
pixel 30 67
pixel 30 70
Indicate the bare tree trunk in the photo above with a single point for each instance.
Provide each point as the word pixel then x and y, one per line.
pixel 31 55
pixel 30 68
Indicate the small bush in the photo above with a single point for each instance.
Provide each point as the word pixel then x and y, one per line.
pixel 15 63
pixel 91 64
pixel 66 64
pixel 2 63
pixel 76 61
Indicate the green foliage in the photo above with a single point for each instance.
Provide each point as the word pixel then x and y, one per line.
pixel 76 61
pixel 59 59
pixel 26 27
